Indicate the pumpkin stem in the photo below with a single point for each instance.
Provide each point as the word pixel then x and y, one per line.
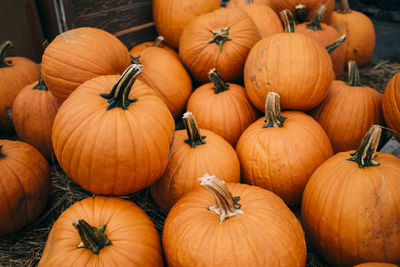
pixel 365 154
pixel 288 20
pixel 218 81
pixel 220 36
pixel 226 206
pixel 354 74
pixel 249 2
pixel 3 49
pixel 315 24
pixel 273 111
pixel 1 154
pixel 40 85
pixel 301 13
pixel 159 41
pixel 93 238
pixel 333 46
pixel 193 131
pixel 344 7
pixel 118 97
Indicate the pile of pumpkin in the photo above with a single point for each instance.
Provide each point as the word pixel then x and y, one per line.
pixel 108 117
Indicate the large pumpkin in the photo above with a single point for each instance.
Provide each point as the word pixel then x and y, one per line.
pixel 350 209
pixel 102 231
pixel 158 42
pixel 81 54
pixel 112 140
pixel 15 74
pixel 391 105
pixel 304 9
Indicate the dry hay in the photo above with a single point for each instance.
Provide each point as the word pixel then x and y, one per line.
pixel 25 247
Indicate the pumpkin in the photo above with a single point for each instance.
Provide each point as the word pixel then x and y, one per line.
pixel 304 9
pixel 290 64
pixel 376 264
pixel 391 105
pixel 349 209
pixel 25 177
pixel 241 3
pixel 223 108
pixel 15 74
pixel 111 140
pixel 166 75
pixel 102 231
pixel 235 225
pixel 158 42
pixel 34 110
pixel 220 39
pixel 171 16
pixel 360 32
pixel 325 35
pixel 81 54
pixel 192 155
pixel 348 111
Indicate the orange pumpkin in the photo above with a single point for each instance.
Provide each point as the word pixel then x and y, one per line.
pixel 220 39
pixel 376 264
pixel 350 210
pixel 391 105
pixel 81 54
pixel 158 42
pixel 281 151
pixel 241 3
pixel 171 16
pixel 15 74
pixel 112 140
pixel 192 155
pixel 25 176
pixel 109 231
pixel 304 9
pixel 348 111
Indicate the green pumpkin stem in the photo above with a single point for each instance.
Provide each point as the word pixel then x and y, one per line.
pixel 301 13
pixel 118 97
pixel 344 7
pixel 219 83
pixel 288 20
pixel 333 46
pixel 40 85
pixel 354 74
pixel 273 111
pixel 193 131
pixel 365 154
pixel 249 2
pixel 220 36
pixel 1 154
pixel 3 49
pixel 93 238
pixel 315 24
pixel 226 206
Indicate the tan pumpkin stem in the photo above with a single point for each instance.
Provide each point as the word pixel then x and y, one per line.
pixel 273 111
pixel 333 46
pixel 220 36
pixel 354 74
pixel 3 49
pixel 193 131
pixel 93 238
pixel 226 206
pixel 365 154
pixel 301 13
pixel 344 7
pixel 218 81
pixel 288 20
pixel 315 24
pixel 1 154
pixel 40 85
pixel 118 97
pixel 159 41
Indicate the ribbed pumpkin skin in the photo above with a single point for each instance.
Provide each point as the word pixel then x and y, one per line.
pixel 187 164
pixel 267 234
pixel 116 151
pixel 81 54
pixel 227 113
pixel 171 16
pixel 391 105
pixel 375 264
pixel 360 41
pixel 351 213
pixel 25 178
pixel 347 113
pixel 199 56
pixel 292 65
pixel 240 3
pixel 138 49
pixel 166 75
pixel 279 5
pixel 283 159
pixel 33 116
pixel 135 241
pixel 12 80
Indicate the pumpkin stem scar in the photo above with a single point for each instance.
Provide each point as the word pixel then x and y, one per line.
pixel 218 81
pixel 315 24
pixel 193 131
pixel 301 13
pixel 1 154
pixel 288 20
pixel 118 97
pixel 40 85
pixel 365 154
pixel 354 74
pixel 93 238
pixel 333 46
pixel 3 49
pixel 273 111
pixel 220 36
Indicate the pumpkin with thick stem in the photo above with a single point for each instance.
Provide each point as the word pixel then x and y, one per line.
pixel 350 210
pixel 241 3
pixel 15 74
pixel 391 105
pixel 232 225
pixel 111 139
pixel 304 9
pixel 158 42
pixel 102 231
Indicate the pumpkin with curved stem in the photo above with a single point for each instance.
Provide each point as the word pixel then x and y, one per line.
pixel 391 105
pixel 304 9
pixel 349 209
pixel 102 231
pixel 110 139
pixel 158 42
pixel 25 178
pixel 193 154
pixel 15 74
pixel 235 225
pixel 241 3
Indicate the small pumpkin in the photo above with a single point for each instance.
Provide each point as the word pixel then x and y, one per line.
pixel 304 9
pixel 241 3
pixel 102 231
pixel 158 42
pixel 391 105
